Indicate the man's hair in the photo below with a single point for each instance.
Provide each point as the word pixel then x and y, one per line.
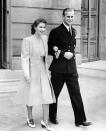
pixel 66 10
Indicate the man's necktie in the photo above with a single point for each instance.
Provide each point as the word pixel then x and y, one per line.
pixel 70 31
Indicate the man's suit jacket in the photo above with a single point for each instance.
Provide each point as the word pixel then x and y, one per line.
pixel 61 38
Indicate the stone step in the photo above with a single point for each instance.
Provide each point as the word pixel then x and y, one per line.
pixel 10 79
pixel 94 69
pixel 6 74
pixel 10 82
pixel 9 85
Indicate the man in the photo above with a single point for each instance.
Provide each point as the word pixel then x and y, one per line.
pixel 61 44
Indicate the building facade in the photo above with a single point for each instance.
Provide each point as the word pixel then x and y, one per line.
pixel 18 15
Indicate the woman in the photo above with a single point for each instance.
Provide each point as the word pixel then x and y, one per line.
pixel 34 63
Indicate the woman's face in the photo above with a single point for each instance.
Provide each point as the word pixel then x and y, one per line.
pixel 40 29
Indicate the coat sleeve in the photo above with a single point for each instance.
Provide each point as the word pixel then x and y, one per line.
pixel 53 41
pixel 25 58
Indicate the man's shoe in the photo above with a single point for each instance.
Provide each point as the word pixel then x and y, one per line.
pixel 54 121
pixel 83 124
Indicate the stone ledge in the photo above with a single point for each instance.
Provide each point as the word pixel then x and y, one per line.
pixel 94 69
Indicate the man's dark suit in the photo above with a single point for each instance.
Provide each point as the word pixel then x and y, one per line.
pixel 65 71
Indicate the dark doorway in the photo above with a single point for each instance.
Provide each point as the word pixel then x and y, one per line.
pixel 3 34
pixel 0 33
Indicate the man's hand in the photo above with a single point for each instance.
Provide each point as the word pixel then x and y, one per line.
pixel 68 55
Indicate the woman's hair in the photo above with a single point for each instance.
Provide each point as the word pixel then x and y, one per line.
pixel 36 23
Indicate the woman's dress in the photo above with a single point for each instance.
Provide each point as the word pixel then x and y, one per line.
pixel 33 56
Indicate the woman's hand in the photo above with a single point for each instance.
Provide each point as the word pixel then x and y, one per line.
pixel 55 48
pixel 27 79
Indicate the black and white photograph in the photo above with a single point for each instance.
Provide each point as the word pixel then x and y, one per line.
pixel 52 65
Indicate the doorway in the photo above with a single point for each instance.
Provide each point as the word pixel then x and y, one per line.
pixel 89 31
pixel 4 56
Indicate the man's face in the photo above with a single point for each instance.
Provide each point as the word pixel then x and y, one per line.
pixel 69 17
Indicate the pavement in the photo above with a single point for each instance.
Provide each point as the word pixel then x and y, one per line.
pixel 93 89
pixel 13 113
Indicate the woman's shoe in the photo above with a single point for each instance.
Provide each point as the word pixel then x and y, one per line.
pixel 31 123
pixel 44 125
